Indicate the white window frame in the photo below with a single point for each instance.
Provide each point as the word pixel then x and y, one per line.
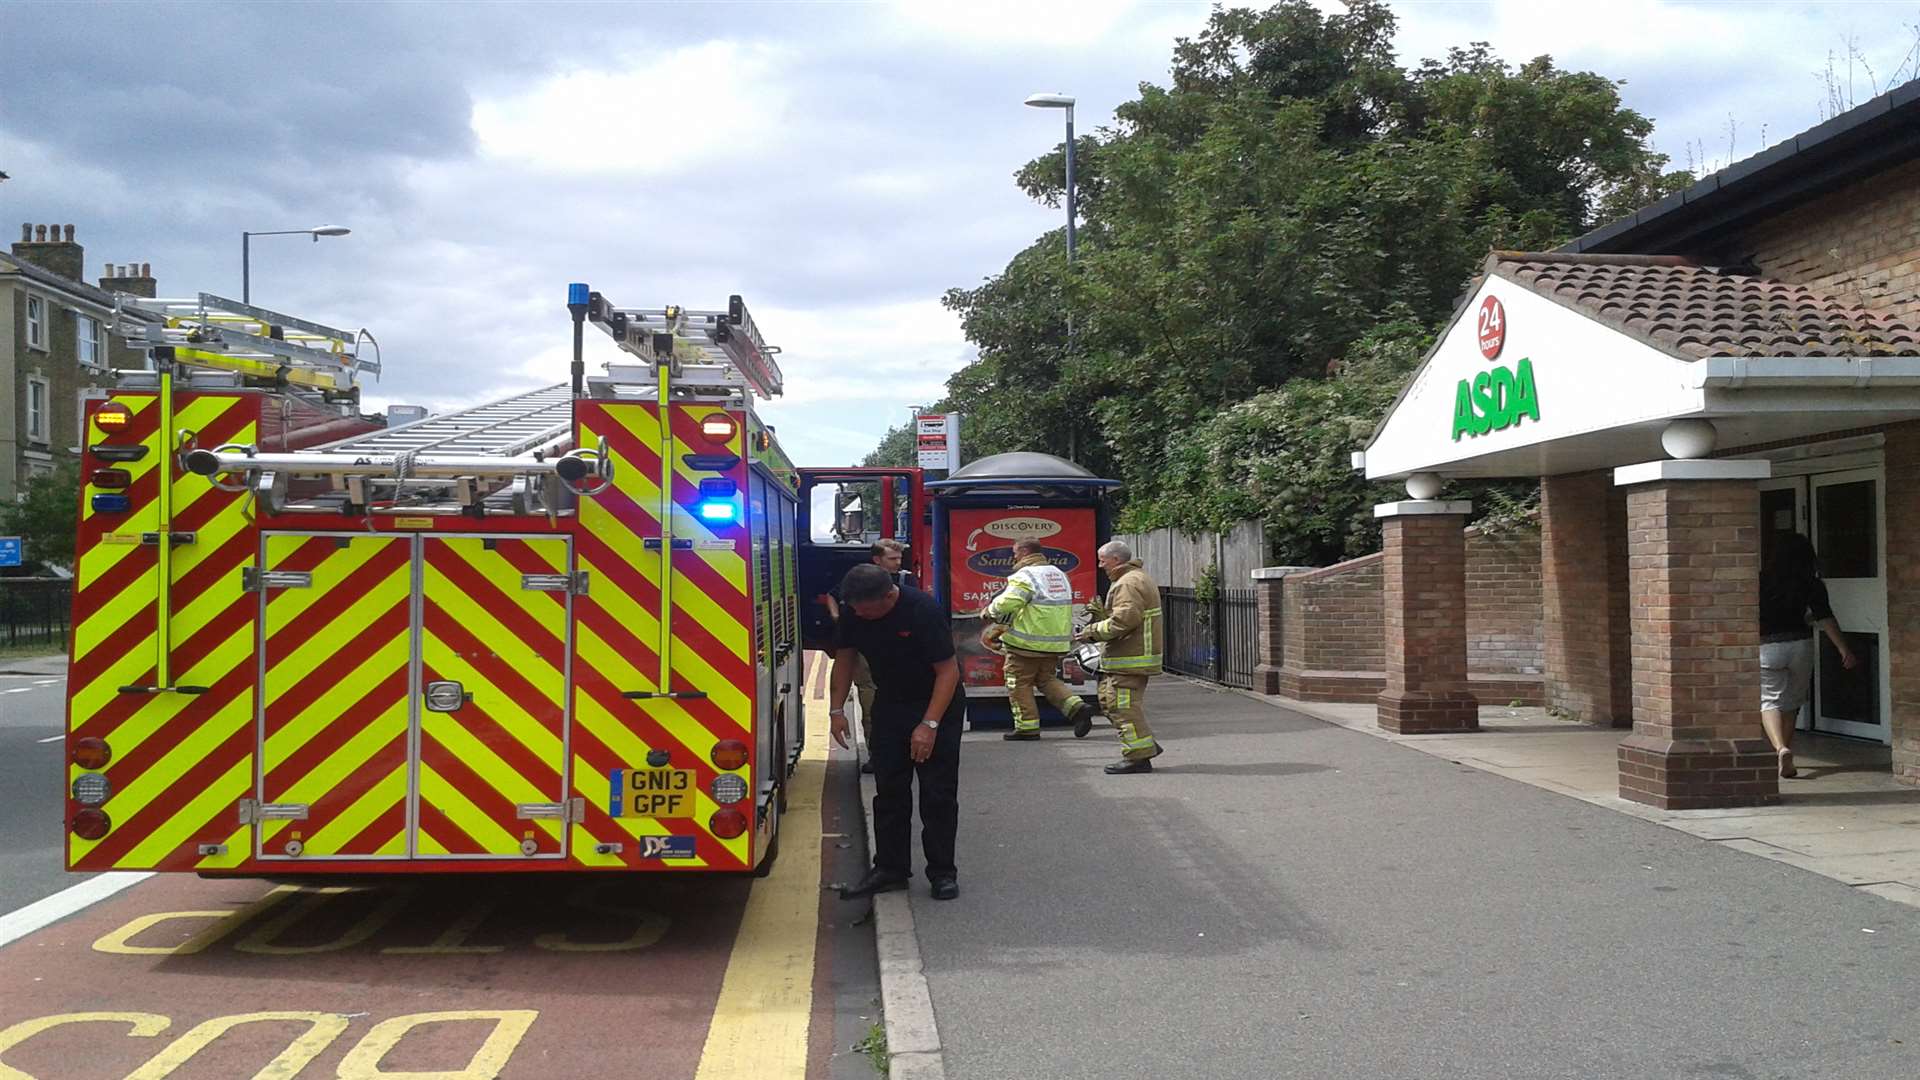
pixel 37 322
pixel 39 428
pixel 89 337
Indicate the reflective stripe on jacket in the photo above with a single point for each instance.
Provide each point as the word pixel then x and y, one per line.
pixel 1036 607
pixel 1133 631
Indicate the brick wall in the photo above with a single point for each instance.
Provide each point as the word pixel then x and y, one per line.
pixel 1583 521
pixel 1903 596
pixel 1424 618
pixel 1503 602
pixel 1861 242
pixel 1332 617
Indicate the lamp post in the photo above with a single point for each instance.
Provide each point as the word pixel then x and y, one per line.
pixel 1062 101
pixel 246 255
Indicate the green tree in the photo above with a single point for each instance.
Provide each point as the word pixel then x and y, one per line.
pixel 46 515
pixel 1290 196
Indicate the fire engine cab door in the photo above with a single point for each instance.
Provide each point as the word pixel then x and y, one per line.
pixel 496 614
pixel 336 649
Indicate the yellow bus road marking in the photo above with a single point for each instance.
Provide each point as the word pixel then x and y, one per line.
pixel 759 1029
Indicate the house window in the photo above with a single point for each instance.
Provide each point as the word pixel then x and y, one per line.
pixel 36 409
pixel 90 342
pixel 36 323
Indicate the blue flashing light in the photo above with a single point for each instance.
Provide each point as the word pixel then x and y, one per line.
pixel 718 510
pixel 577 293
pixel 111 504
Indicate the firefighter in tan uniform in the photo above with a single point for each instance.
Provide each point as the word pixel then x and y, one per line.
pixel 1032 621
pixel 1132 636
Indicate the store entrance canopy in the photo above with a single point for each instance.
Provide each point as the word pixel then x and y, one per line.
pixel 1562 363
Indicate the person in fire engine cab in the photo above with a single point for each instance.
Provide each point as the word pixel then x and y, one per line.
pixel 1132 637
pixel 907 643
pixel 1031 620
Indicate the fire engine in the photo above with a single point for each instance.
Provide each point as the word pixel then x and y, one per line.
pixel 558 631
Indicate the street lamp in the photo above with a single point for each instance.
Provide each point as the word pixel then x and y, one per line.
pixel 246 269
pixel 1062 101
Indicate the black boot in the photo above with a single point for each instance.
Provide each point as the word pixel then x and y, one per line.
pixel 876 881
pixel 1123 767
pixel 1083 722
pixel 1021 736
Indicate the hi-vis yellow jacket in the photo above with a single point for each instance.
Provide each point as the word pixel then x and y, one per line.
pixel 1134 633
pixel 1036 607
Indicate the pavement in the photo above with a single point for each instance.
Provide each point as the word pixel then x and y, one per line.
pixel 525 975
pixel 1286 897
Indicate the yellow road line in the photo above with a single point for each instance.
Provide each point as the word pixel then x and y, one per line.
pixel 760 1023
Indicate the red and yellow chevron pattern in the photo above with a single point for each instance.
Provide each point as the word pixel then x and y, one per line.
pixel 618 632
pixel 335 662
pixel 506 645
pixel 181 761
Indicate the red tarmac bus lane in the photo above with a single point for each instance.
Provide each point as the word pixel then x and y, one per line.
pixel 515 976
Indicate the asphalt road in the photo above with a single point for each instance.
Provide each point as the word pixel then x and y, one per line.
pixel 1284 898
pixel 32 720
pixel 545 976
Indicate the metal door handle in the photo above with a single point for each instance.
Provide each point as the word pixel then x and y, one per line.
pixel 446 696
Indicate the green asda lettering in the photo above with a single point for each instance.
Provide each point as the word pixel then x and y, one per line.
pixel 1495 399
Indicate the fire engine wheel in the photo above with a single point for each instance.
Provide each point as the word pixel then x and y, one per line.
pixel 773 853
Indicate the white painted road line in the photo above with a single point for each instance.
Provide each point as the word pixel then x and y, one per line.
pixel 49 682
pixel 18 690
pixel 50 738
pixel 18 924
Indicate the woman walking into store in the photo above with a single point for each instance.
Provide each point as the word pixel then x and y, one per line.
pixel 1793 603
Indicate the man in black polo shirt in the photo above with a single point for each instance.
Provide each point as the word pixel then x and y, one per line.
pixel 917 710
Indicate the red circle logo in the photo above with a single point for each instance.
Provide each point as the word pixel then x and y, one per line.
pixel 1493 327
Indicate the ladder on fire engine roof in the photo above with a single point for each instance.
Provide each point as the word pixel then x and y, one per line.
pixel 214 332
pixel 709 353
pixel 536 420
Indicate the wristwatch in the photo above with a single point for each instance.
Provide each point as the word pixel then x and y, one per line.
pixel 932 725
pixel 836 712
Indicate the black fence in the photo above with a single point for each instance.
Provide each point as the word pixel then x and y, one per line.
pixel 35 611
pixel 1212 639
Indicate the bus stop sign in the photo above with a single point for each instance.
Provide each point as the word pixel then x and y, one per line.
pixel 9 551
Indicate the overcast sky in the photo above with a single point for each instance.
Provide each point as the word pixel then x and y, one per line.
pixel 838 164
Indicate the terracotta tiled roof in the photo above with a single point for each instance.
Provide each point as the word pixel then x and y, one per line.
pixel 1695 312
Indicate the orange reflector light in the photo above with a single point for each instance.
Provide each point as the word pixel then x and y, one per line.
pixel 90 753
pixel 114 479
pixel 725 824
pixel 91 824
pixel 728 754
pixel 112 416
pixel 719 428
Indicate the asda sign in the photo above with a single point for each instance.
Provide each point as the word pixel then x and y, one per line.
pixel 1501 396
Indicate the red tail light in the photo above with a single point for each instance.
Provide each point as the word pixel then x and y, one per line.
pixel 728 754
pixel 90 753
pixel 725 824
pixel 93 824
pixel 114 479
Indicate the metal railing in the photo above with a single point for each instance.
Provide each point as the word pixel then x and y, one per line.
pixel 35 611
pixel 1215 639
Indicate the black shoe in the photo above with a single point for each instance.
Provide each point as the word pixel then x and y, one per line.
pixel 867 766
pixel 876 881
pixel 1083 724
pixel 1122 768
pixel 1021 736
pixel 945 888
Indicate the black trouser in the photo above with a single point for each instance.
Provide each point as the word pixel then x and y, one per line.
pixel 893 774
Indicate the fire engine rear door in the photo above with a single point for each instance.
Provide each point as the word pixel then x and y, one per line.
pixel 495 642
pixel 335 658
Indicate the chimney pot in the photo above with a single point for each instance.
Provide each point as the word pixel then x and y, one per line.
pixel 40 234
pixel 146 269
pixel 69 234
pixel 26 232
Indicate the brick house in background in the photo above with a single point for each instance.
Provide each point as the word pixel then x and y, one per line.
pixel 1738 360
pixel 55 340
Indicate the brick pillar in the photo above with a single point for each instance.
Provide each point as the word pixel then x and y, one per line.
pixel 1424 614
pixel 1579 542
pixel 1694 576
pixel 1269 601
pixel 1903 596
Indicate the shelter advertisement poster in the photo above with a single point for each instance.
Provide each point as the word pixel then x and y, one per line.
pixel 979 558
